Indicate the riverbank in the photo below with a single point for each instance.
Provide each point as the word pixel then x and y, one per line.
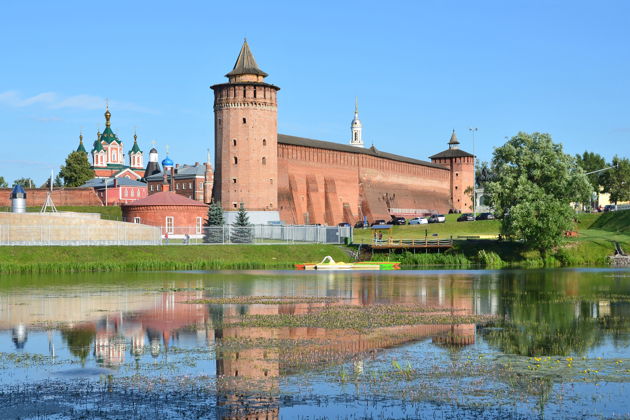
pixel 74 259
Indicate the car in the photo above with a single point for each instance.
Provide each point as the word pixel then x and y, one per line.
pixel 610 207
pixel 360 224
pixel 437 218
pixel 418 221
pixel 466 217
pixel 485 216
pixel 398 221
pixel 379 222
pixel 344 224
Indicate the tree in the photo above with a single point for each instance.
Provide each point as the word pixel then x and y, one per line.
pixel 3 183
pixel 241 229
pixel 24 182
pixel 56 183
pixel 77 170
pixel 213 233
pixel 590 161
pixel 533 185
pixel 617 181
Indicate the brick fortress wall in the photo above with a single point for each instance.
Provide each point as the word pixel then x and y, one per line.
pixel 329 187
pixel 36 197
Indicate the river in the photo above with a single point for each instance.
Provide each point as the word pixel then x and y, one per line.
pixel 283 344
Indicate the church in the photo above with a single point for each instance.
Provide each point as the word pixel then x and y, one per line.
pixel 306 181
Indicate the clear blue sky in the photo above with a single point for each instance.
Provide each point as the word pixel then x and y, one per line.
pixel 419 68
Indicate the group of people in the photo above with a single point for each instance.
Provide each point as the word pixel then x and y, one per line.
pixel 186 239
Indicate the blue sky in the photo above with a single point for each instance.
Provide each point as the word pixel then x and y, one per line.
pixel 419 68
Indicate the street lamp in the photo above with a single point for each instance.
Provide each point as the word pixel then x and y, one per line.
pixel 473 130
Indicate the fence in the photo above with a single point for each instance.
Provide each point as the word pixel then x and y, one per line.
pixel 256 234
pixel 45 235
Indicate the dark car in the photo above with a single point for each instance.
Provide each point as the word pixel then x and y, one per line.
pixel 360 224
pixel 437 218
pixel 485 216
pixel 344 224
pixel 466 217
pixel 398 221
pixel 379 222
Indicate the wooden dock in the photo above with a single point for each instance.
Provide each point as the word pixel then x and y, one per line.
pixel 391 243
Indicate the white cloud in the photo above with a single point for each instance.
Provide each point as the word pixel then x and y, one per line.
pixel 53 100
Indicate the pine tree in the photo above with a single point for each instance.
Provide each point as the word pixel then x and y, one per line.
pixel 241 229
pixel 213 234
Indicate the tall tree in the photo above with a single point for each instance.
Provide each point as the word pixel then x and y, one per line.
pixel 617 181
pixel 241 229
pixel 213 232
pixel 590 162
pixel 3 182
pixel 24 182
pixel 533 185
pixel 77 170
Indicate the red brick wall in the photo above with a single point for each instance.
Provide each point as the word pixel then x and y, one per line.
pixel 183 216
pixel 36 197
pixel 461 177
pixel 328 187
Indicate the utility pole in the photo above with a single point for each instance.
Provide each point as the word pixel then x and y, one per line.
pixel 473 130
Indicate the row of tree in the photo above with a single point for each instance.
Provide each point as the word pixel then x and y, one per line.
pixel 216 233
pixel 531 183
pixel 74 173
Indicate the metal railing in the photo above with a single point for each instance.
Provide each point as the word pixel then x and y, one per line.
pixel 47 235
pixel 254 234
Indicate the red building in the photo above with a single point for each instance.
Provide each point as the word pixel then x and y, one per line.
pixel 174 213
pixel 116 191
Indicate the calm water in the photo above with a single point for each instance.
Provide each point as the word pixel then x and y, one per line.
pixel 133 345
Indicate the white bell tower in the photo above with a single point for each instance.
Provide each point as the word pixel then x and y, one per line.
pixel 356 139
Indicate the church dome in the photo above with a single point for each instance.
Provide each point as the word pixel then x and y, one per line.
pixel 167 162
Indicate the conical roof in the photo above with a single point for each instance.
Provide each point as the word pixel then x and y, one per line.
pixel 81 147
pixel 245 63
pixel 453 139
pixel 135 148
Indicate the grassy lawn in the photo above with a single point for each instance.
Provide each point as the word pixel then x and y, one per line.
pixel 40 259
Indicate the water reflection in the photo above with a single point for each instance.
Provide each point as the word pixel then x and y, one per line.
pixel 108 326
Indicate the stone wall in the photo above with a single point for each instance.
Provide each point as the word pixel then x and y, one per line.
pixel 36 197
pixel 329 187
pixel 72 229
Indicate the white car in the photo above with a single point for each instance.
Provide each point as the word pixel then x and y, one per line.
pixel 418 221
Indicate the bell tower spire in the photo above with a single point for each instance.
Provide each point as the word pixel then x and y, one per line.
pixel 356 126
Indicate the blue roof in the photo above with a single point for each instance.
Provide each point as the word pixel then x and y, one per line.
pixel 167 161
pixel 17 190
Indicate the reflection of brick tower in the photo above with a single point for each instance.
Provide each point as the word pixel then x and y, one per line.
pixel 245 139
pixel 462 174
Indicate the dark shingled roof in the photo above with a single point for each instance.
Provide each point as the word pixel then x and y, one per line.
pixel 451 153
pixel 319 144
pixel 246 64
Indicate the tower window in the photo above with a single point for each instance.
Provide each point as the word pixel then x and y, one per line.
pixel 234 142
pixel 254 91
pixel 264 160
pixel 235 205
pixel 244 91
pixel 264 142
pixel 235 160
pixel 233 180
pixel 244 120
pixel 234 92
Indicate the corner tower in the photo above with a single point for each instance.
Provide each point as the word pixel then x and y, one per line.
pixel 246 141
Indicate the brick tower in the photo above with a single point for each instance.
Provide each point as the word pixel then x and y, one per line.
pixel 246 141
pixel 462 173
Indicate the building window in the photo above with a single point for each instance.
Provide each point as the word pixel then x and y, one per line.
pixel 169 224
pixel 244 91
pixel 235 160
pixel 136 220
pixel 219 122
pixel 254 91
pixel 190 185
pixel 126 192
pixel 233 180
pixel 198 225
pixel 177 186
pixel 201 185
pixel 271 180
pixel 264 142
pixel 233 142
pixel 151 186
pixel 133 193
pixel 244 120
pixel 235 205
pixel 264 160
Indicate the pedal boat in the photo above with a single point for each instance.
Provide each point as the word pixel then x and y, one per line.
pixel 329 264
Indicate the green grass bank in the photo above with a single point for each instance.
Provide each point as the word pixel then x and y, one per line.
pixel 68 259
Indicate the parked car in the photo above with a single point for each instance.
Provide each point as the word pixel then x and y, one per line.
pixel 360 224
pixel 379 222
pixel 466 217
pixel 418 221
pixel 437 218
pixel 398 221
pixel 485 216
pixel 345 224
pixel 610 207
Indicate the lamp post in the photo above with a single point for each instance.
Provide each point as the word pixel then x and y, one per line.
pixel 473 130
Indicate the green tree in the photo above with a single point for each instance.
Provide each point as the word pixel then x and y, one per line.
pixel 3 182
pixel 213 233
pixel 617 181
pixel 24 182
pixel 241 229
pixel 77 170
pixel 533 185
pixel 590 161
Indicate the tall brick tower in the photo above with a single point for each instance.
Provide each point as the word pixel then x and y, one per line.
pixel 246 141
pixel 462 173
